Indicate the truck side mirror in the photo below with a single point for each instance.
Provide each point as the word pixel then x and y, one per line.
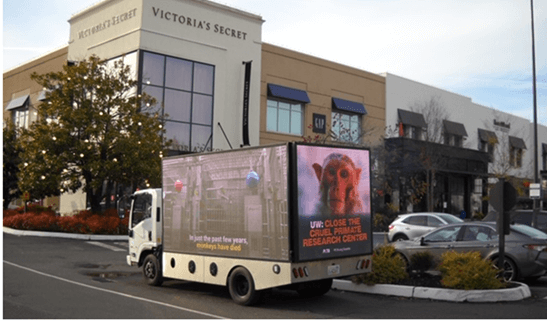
pixel 122 206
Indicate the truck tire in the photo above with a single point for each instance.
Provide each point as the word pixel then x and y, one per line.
pixel 151 270
pixel 242 287
pixel 314 288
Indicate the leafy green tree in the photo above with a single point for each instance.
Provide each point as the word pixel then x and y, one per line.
pixel 93 132
pixel 11 149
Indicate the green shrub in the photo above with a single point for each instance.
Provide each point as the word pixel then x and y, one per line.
pixel 387 267
pixel 421 262
pixel 468 271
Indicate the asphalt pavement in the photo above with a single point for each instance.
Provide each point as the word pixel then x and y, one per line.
pixel 519 292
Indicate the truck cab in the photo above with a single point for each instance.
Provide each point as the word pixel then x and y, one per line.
pixel 145 226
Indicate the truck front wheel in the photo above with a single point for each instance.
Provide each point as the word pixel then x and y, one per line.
pixel 242 287
pixel 151 270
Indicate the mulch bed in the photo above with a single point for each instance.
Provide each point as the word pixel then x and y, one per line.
pixel 425 280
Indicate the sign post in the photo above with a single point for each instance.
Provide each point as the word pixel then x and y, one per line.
pixel 503 198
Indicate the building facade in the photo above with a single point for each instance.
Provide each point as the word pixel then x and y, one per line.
pixel 472 145
pixel 304 97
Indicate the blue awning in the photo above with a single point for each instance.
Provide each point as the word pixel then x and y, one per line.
pixel 17 102
pixel 288 93
pixel 347 105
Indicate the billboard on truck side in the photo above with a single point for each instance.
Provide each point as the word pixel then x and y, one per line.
pixel 265 202
pixel 231 204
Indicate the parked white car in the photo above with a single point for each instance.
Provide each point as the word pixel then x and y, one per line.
pixel 409 226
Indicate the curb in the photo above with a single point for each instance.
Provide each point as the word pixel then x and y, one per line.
pixel 74 236
pixel 514 294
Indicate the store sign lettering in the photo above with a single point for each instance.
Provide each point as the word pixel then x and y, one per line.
pixel 107 23
pixel 199 24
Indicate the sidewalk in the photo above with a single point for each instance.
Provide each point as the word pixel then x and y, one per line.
pixel 522 291
pixel 74 236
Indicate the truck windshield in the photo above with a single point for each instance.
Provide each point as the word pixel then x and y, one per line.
pixel 142 208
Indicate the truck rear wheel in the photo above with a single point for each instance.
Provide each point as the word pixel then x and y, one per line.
pixel 314 288
pixel 242 287
pixel 151 270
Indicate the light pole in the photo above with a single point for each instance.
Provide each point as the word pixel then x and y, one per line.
pixel 536 169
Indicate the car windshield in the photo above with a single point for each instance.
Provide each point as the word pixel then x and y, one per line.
pixel 447 234
pixel 450 218
pixel 529 231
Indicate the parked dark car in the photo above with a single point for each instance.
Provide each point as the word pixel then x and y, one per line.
pixel 525 246
pixel 522 217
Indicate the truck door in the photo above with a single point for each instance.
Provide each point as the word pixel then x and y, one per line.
pixel 140 223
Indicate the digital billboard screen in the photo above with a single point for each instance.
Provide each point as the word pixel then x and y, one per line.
pixel 334 210
pixel 231 204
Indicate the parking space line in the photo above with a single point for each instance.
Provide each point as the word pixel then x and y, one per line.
pixel 110 247
pixel 115 292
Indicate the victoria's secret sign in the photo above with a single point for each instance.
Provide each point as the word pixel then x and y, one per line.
pixel 183 20
pixel 107 23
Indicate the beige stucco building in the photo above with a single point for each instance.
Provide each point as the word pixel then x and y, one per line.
pixel 206 64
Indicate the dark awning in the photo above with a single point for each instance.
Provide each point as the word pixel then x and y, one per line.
pixel 288 93
pixel 453 128
pixel 17 102
pixel 488 136
pixel 517 142
pixel 347 105
pixel 411 118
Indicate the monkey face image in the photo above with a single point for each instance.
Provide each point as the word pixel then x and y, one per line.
pixel 338 185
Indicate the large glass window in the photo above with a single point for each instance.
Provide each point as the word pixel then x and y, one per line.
pixel 183 90
pixel 346 127
pixel 285 117
pixel 21 117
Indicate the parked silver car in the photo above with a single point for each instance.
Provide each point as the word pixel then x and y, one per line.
pixel 409 226
pixel 525 246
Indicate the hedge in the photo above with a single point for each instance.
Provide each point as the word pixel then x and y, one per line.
pixel 38 218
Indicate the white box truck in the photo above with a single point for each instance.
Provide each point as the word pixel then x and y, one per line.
pixel 289 215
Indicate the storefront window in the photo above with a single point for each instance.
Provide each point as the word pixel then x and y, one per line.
pixel 178 105
pixel 21 117
pixel 203 78
pixel 183 91
pixel 178 74
pixel 284 117
pixel 153 67
pixel 346 127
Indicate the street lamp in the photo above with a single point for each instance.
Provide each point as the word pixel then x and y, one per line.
pixel 536 169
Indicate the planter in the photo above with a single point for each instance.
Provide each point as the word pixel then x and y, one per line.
pixel 519 292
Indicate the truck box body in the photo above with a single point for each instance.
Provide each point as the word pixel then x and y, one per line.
pixel 266 208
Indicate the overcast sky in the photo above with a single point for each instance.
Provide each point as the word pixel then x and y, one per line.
pixel 481 49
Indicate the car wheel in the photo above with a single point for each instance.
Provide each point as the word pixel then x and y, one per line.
pixel 400 237
pixel 509 272
pixel 151 270
pixel 242 288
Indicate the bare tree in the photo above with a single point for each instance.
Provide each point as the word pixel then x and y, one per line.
pixel 430 159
